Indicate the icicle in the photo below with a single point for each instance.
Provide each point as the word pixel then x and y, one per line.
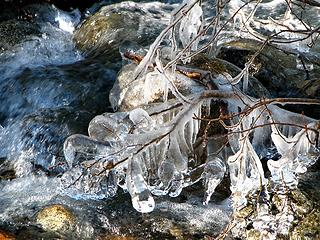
pixel 246 79
pixel 212 175
pixel 141 197
pixel 180 159
pixel 190 26
pixel 246 173
pixel 155 85
pixel 166 173
pixel 298 153
pixel 177 184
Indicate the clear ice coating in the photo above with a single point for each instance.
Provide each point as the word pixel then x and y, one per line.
pixel 142 199
pixel 212 174
pixel 191 25
pixel 157 143
pixel 297 153
pixel 109 127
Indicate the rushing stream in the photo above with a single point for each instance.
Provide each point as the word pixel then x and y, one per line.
pixel 48 92
pixel 54 79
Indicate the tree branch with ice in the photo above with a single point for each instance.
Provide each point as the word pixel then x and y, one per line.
pixel 165 108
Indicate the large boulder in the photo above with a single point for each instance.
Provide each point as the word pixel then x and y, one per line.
pixel 106 30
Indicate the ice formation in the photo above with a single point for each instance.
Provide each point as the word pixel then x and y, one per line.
pixel 151 145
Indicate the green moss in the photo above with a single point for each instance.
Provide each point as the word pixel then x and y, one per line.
pixel 300 204
pixel 201 61
pixel 90 32
pixel 245 212
pixel 253 234
pixel 308 228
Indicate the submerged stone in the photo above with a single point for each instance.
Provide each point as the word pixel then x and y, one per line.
pixel 7 171
pixel 82 85
pixel 36 141
pixel 56 218
pixel 116 237
pixel 18 5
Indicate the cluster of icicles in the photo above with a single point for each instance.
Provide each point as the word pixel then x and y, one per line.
pixel 151 150
pixel 149 146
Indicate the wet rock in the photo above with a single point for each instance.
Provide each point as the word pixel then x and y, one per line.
pixel 34 232
pixel 220 66
pixel 103 32
pixel 300 203
pixel 56 218
pixel 114 218
pixel 7 172
pixel 310 88
pixel 67 5
pixel 281 71
pixel 304 223
pixel 21 10
pixel 189 219
pixel 245 212
pixel 309 184
pixel 127 93
pixel 6 236
pixel 49 104
pixel 13 32
pixel 253 234
pixel 184 218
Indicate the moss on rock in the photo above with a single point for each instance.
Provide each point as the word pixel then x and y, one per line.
pixel 308 228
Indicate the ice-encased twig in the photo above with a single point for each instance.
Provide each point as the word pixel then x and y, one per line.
pixel 298 153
